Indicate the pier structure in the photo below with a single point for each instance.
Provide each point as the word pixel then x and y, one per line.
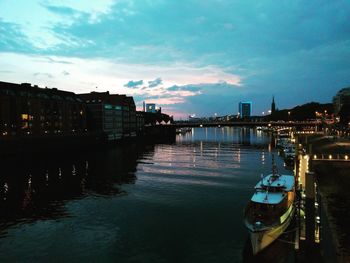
pixel 313 217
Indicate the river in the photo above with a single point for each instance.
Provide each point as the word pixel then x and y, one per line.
pixel 138 202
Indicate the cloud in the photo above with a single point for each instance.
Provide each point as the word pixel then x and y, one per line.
pixel 40 74
pixel 52 60
pixel 6 71
pixel 155 83
pixel 65 73
pixel 61 10
pixel 227 50
pixel 12 38
pixel 192 88
pixel 133 84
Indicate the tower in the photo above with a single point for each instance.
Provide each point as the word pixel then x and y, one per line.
pixel 273 105
pixel 245 109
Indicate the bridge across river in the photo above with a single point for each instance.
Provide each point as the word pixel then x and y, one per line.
pixel 247 124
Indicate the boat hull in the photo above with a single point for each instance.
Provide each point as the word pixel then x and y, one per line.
pixel 261 239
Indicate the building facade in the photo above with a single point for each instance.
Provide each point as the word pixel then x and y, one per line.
pixel 342 98
pixel 132 116
pixel 113 115
pixel 27 110
pixel 105 114
pixel 245 109
pixel 140 122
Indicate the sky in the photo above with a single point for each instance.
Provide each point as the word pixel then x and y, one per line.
pixel 187 56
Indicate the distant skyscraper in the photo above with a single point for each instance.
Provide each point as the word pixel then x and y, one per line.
pixel 245 109
pixel 273 105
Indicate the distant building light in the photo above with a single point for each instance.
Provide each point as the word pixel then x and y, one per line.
pixel 25 116
pixel 315 156
pixel 330 156
pixel 346 157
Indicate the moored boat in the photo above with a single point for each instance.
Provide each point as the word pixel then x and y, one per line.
pixel 183 130
pixel 270 210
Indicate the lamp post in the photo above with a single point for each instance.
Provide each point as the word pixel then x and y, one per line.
pixel 288 115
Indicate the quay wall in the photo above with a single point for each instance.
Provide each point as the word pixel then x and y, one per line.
pixel 89 140
pixel 333 181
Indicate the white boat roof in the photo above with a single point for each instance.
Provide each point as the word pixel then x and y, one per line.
pixel 266 197
pixel 271 189
pixel 282 181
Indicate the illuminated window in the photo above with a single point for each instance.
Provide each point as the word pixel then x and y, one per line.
pixel 108 107
pixel 25 117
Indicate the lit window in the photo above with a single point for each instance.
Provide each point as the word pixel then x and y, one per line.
pixel 25 116
pixel 25 125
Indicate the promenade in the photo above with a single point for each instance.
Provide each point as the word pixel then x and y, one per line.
pixel 334 184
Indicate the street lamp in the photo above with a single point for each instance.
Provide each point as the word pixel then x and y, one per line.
pixel 288 115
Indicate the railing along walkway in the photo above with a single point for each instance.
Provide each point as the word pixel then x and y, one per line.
pixel 331 157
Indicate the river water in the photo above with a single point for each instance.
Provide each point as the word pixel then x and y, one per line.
pixel 181 201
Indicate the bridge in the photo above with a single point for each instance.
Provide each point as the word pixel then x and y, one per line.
pixel 247 124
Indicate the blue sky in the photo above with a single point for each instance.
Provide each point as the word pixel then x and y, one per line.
pixel 187 56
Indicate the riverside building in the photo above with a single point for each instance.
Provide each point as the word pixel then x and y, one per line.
pixel 342 98
pixel 112 115
pixel 30 111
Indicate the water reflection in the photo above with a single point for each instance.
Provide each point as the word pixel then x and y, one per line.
pixel 179 202
pixel 280 251
pixel 245 136
pixel 37 187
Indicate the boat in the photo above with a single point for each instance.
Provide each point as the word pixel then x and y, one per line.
pixel 289 153
pixel 270 210
pixel 183 130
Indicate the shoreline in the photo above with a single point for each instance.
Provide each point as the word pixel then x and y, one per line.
pixel 333 183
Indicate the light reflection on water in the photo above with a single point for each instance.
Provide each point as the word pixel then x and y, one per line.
pixel 177 202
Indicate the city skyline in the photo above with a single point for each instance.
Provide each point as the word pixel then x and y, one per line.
pixel 186 57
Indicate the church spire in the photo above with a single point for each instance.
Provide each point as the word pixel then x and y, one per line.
pixel 273 105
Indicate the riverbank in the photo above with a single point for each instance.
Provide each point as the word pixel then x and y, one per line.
pixel 15 145
pixel 334 184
